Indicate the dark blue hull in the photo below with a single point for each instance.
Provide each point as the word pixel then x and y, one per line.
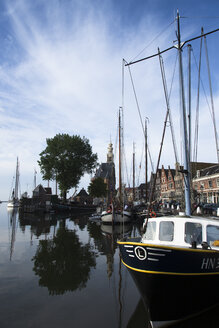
pixel 173 282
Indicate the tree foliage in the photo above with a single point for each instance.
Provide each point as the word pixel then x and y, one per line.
pixel 97 188
pixel 66 159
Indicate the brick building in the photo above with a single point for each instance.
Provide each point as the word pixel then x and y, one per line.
pixel 206 184
pixel 170 183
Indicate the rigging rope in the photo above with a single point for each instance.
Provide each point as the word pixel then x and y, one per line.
pixel 150 43
pixel 139 112
pixel 168 105
pixel 211 94
pixel 195 151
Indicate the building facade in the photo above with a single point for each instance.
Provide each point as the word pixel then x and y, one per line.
pixel 169 184
pixel 206 185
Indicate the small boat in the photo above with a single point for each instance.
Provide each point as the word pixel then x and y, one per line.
pixel 175 263
pixel 14 200
pixel 116 217
pixel 94 217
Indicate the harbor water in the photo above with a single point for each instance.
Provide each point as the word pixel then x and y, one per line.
pixel 58 271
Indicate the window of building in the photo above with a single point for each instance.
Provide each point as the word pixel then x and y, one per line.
pixel 210 183
pixel 217 182
pixel 166 231
pixel 193 232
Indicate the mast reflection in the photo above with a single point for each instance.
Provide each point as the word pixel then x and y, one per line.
pixel 12 216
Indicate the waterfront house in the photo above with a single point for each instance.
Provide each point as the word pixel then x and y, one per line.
pixel 206 184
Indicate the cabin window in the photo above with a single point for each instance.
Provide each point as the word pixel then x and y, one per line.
pixel 193 232
pixel 212 233
pixel 166 230
pixel 151 230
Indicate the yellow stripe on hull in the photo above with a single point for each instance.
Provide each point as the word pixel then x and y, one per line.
pixel 171 273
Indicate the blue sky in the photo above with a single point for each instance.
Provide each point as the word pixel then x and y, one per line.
pixel 60 72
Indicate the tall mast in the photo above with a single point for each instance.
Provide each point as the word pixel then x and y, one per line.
pixel 189 99
pixel 185 137
pixel 146 162
pixel 16 180
pixel 133 171
pixel 120 171
pixel 34 182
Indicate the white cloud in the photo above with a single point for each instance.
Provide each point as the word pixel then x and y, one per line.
pixel 64 76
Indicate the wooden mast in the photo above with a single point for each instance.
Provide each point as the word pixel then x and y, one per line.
pixel 185 136
pixel 120 170
pixel 133 172
pixel 146 162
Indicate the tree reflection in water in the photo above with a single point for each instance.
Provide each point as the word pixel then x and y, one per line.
pixel 63 263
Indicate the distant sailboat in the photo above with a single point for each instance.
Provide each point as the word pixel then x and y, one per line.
pixel 14 200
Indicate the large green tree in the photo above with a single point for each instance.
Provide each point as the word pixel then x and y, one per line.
pixel 66 159
pixel 97 188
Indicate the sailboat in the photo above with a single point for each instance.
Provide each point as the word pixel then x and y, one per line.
pixel 175 263
pixel 14 200
pixel 118 212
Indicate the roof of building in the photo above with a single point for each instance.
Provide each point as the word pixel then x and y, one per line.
pixel 195 166
pixel 173 172
pixel 82 193
pixel 209 171
pixel 39 188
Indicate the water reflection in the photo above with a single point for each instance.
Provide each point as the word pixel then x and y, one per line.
pixel 207 319
pixel 77 263
pixel 39 225
pixel 105 240
pixel 63 263
pixel 140 317
pixel 12 218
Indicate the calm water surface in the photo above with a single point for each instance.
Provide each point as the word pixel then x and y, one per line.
pixel 66 272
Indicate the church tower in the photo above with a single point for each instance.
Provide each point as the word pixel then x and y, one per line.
pixel 110 157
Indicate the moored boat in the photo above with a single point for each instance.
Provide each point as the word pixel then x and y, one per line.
pixel 116 217
pixel 14 200
pixel 175 265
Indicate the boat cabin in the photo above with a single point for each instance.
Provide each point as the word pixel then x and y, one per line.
pixel 179 231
